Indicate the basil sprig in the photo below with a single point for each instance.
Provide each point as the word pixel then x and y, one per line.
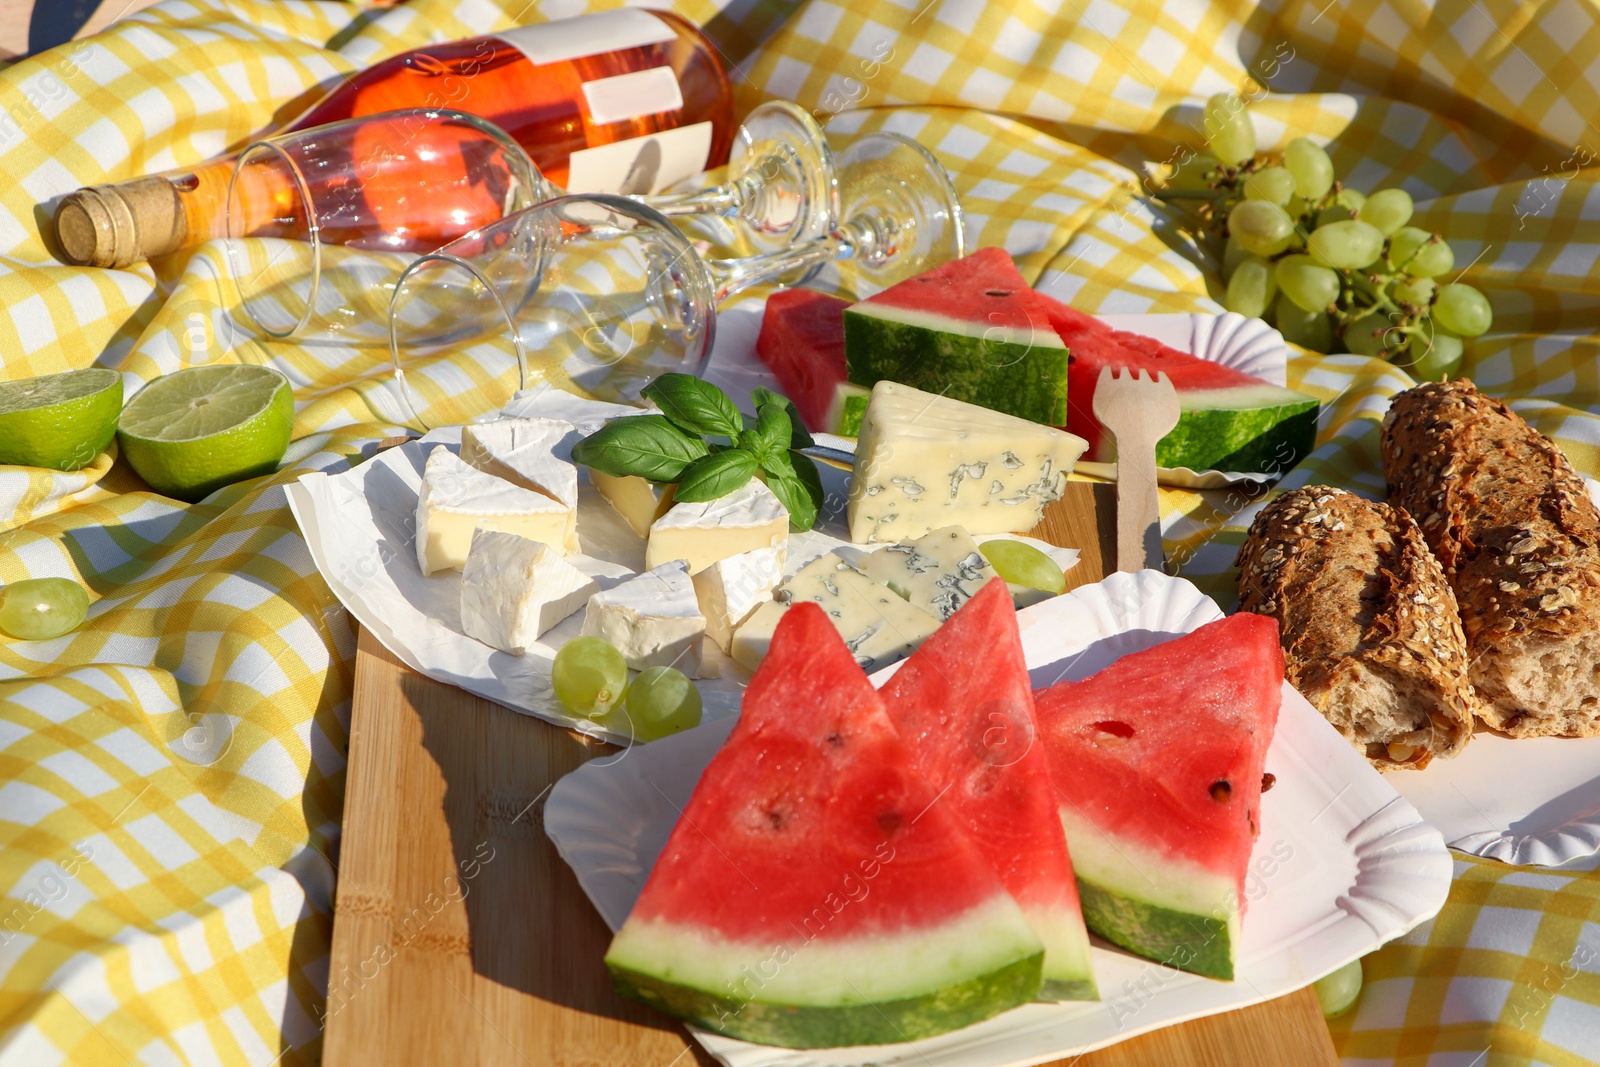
pixel 672 446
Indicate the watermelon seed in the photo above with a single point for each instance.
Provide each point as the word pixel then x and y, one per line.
pixel 776 818
pixel 889 822
pixel 1115 728
pixel 1268 781
pixel 997 292
pixel 835 739
pixel 1221 791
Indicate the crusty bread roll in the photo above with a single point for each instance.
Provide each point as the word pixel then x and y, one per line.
pixel 1369 626
pixel 1513 526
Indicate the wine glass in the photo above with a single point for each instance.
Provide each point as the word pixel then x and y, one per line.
pixel 608 294
pixel 900 215
pixel 605 291
pixel 781 181
pixel 322 221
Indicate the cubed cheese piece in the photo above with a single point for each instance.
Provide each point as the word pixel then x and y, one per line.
pixel 456 499
pixel 746 519
pixel 639 501
pixel 925 461
pixel 653 619
pixel 514 589
pixel 730 589
pixel 878 626
pixel 533 453
pixel 937 572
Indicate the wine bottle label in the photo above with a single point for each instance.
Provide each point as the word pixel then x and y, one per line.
pixel 588 35
pixel 627 96
pixel 646 164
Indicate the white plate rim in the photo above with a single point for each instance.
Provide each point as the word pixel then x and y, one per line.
pixel 1402 867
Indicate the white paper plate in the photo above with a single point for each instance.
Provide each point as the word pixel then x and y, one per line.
pixel 1529 801
pixel 1343 864
pixel 359 527
pixel 1247 345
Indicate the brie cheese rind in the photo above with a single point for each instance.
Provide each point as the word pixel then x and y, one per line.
pixel 746 519
pixel 653 619
pixel 514 589
pixel 457 499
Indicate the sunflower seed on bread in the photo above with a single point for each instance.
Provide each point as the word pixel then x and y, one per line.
pixel 1370 633
pixel 1512 525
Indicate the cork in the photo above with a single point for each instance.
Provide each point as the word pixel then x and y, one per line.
pixel 115 225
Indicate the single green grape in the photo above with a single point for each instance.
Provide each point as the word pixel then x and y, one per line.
pixel 589 676
pixel 1418 291
pixel 1371 335
pixel 1310 166
pixel 1270 183
pixel 1022 564
pixel 1434 355
pixel 1348 245
pixel 1260 226
pixel 1339 991
pixel 1308 283
pixel 662 701
pixel 37 609
pixel 1228 130
pixel 1387 210
pixel 1462 310
pixel 1251 289
pixel 1194 173
pixel 1308 329
pixel 1233 254
pixel 1420 253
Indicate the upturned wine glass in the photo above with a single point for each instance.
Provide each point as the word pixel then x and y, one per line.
pixel 603 293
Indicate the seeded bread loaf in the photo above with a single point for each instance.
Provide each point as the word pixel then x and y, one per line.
pixel 1513 527
pixel 1369 626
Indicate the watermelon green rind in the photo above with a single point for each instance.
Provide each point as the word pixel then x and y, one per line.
pixel 1266 429
pixel 878 1022
pixel 953 357
pixel 1199 944
pixel 848 408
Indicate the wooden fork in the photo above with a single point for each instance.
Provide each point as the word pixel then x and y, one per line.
pixel 1138 412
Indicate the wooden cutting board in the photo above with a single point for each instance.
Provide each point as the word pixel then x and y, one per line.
pixel 460 935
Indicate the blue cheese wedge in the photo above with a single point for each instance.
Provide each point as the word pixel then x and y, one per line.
pixel 876 623
pixel 924 461
pixel 533 453
pixel 746 519
pixel 731 589
pixel 937 572
pixel 653 619
pixel 514 589
pixel 456 499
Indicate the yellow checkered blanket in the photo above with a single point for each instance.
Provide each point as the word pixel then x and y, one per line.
pixel 171 776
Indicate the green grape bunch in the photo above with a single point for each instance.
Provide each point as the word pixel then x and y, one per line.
pixel 1332 268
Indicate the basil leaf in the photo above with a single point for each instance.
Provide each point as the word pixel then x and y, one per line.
pixel 645 445
pixel 769 436
pixel 795 482
pixel 694 405
pixel 798 437
pixel 713 476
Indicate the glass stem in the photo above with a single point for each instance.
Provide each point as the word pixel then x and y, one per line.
pixel 724 199
pixel 871 237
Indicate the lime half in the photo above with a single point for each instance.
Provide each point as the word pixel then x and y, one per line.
pixel 62 421
pixel 194 431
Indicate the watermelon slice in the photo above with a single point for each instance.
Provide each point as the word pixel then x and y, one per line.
pixel 802 343
pixel 1157 763
pixel 816 892
pixel 1230 420
pixel 971 330
pixel 963 704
